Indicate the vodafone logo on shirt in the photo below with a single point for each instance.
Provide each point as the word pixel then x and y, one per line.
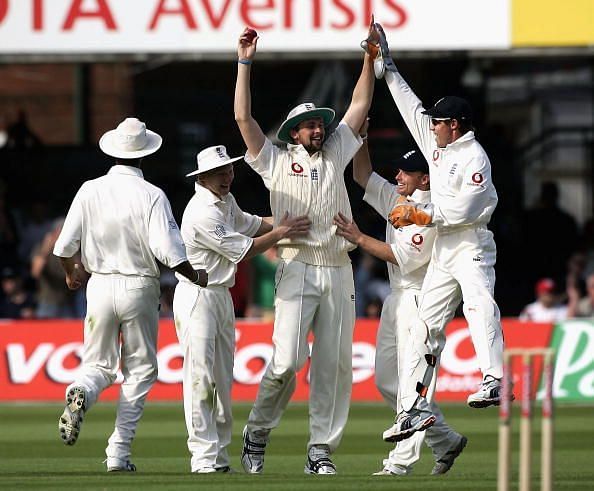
pixel 477 178
pixel 296 168
pixel 417 239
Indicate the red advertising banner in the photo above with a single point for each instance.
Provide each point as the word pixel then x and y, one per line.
pixel 40 358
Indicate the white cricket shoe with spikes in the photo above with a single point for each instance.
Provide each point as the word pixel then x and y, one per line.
pixel 408 423
pixel 71 419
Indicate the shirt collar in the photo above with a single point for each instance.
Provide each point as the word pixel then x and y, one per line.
pixel 300 149
pixel 469 135
pixel 207 195
pixel 420 196
pixel 127 170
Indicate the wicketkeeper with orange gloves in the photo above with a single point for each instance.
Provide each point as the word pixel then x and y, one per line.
pixel 463 199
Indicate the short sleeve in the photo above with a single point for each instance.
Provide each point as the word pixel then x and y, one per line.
pixel 342 145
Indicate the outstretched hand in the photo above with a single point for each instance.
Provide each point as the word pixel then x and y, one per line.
pixel 371 43
pixel 294 226
pixel 246 47
pixel 347 228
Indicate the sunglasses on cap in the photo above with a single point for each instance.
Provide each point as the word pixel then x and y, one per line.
pixel 436 121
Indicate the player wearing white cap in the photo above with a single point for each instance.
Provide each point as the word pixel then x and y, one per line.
pixel 119 223
pixel 218 235
pixel 406 251
pixel 463 199
pixel 314 280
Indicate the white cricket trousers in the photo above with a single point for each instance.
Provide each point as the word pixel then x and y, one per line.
pixel 398 312
pixel 205 326
pixel 320 299
pixel 120 328
pixel 461 268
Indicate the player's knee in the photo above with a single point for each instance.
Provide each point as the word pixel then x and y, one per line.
pixel 387 388
pixel 278 378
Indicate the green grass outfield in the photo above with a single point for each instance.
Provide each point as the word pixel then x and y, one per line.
pixel 32 455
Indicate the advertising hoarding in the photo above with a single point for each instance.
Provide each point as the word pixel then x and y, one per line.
pixel 40 358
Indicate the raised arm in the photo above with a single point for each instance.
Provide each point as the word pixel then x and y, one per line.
pixel 361 161
pixel 252 134
pixel 362 96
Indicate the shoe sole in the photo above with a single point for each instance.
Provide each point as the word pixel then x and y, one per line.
pixel 71 419
pixel 397 437
pixel 307 470
pixel 455 454
pixel 483 403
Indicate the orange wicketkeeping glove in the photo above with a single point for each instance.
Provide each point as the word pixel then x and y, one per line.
pixel 371 43
pixel 408 212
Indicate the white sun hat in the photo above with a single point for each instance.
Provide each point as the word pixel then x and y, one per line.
pixel 307 110
pixel 211 158
pixel 130 140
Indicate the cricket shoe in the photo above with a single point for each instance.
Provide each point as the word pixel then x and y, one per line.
pixel 488 395
pixel 115 464
pixel 252 453
pixel 215 470
pixel 408 423
pixel 446 462
pixel 391 469
pixel 71 420
pixel 319 462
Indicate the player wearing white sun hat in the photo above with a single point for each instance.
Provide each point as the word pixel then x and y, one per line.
pixel 121 225
pixel 218 235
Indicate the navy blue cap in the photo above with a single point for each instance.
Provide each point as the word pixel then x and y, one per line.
pixel 413 161
pixel 451 107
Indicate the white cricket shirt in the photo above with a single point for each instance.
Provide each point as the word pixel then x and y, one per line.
pixel 412 244
pixel 314 186
pixel 121 223
pixel 462 190
pixel 217 234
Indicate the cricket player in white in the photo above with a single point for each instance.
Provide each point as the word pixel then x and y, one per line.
pixel 315 289
pixel 218 235
pixel 463 199
pixel 406 251
pixel 120 223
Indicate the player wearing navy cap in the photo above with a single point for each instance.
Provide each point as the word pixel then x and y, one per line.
pixel 407 251
pixel 463 199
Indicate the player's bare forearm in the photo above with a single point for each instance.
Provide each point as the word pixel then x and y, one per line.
pixel 350 231
pixel 377 248
pixel 287 227
pixel 362 168
pixel 197 276
pixel 250 130
pixel 265 227
pixel 362 96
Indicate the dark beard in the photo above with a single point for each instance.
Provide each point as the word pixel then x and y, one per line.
pixel 311 149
